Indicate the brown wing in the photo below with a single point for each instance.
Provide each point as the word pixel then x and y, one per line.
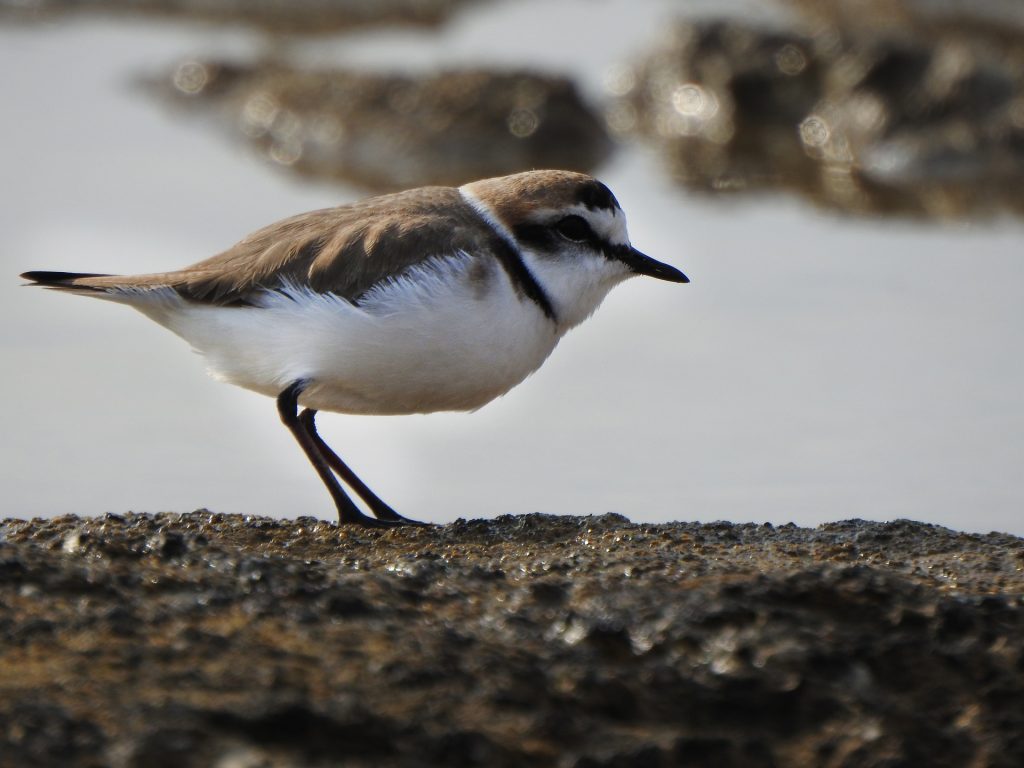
pixel 344 250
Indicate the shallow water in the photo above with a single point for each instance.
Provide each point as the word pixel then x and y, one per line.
pixel 817 368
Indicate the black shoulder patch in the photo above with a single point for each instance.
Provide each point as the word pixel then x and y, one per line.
pixel 594 195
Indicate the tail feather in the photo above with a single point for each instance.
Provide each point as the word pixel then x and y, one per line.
pixel 67 281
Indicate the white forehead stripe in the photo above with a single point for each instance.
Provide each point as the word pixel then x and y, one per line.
pixel 610 224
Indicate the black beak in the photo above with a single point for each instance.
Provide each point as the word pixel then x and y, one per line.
pixel 645 265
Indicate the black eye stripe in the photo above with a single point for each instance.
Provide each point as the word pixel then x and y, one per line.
pixel 535 236
pixel 545 239
pixel 574 228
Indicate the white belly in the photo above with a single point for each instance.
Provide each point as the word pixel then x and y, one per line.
pixel 433 340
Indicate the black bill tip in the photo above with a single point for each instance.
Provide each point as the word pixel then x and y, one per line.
pixel 642 264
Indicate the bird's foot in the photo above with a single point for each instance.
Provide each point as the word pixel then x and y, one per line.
pixel 374 522
pixel 402 520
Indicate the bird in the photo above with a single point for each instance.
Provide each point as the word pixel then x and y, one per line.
pixel 432 299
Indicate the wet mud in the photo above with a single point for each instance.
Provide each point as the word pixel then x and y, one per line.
pixel 214 640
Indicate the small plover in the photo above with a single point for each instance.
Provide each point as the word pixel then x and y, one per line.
pixel 433 299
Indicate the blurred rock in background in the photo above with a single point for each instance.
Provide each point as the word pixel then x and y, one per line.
pixel 901 14
pixel 911 107
pixel 393 131
pixel 279 16
pixel 870 120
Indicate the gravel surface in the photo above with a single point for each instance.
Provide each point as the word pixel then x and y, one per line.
pixel 240 642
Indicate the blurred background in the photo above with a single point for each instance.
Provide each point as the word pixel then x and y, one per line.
pixel 841 180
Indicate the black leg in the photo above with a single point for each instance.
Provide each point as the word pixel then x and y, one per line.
pixel 379 508
pixel 348 512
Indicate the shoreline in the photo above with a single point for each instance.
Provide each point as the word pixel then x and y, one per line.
pixel 207 639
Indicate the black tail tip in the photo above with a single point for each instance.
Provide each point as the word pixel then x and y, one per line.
pixel 42 277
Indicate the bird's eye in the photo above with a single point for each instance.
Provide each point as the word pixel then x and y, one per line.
pixel 574 228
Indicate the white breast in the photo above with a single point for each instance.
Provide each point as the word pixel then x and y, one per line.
pixel 451 334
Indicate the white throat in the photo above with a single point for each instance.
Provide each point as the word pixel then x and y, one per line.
pixel 576 285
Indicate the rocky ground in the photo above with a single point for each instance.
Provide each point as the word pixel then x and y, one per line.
pixel 240 642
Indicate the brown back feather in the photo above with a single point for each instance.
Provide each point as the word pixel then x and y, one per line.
pixel 344 250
